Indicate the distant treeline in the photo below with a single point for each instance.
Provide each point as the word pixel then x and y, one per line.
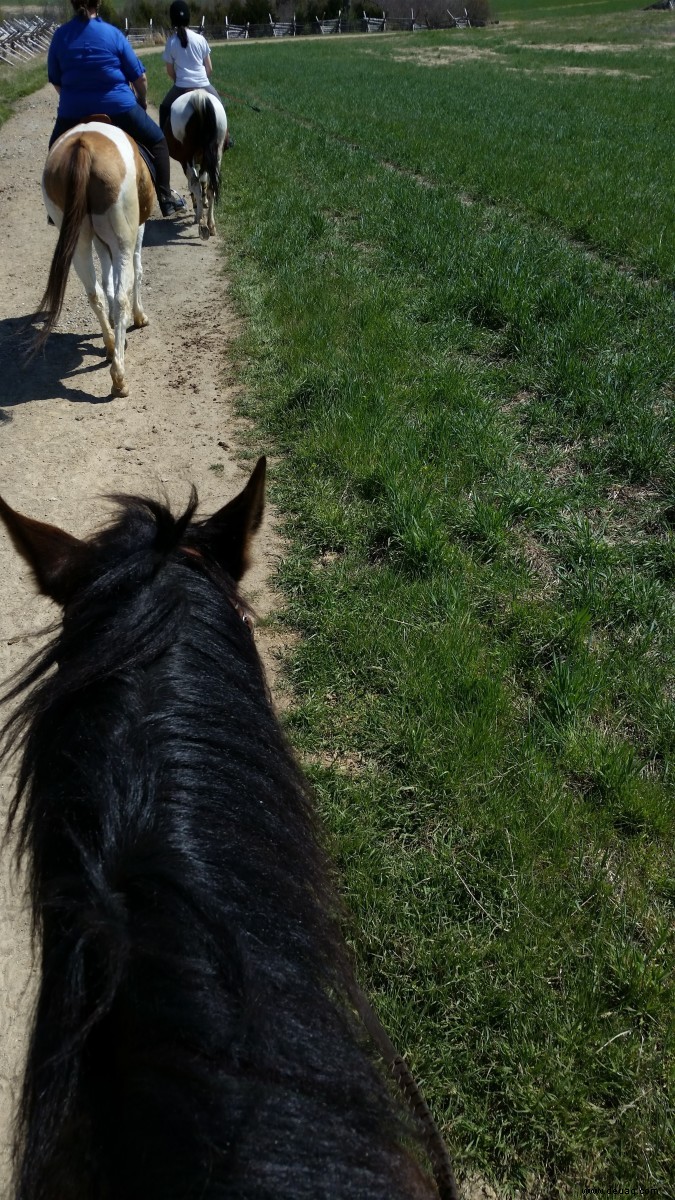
pixel 257 12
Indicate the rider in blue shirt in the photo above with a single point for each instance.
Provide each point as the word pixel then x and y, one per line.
pixel 95 70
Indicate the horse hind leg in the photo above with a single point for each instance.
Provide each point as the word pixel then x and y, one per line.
pixel 195 192
pixel 112 230
pixel 83 262
pixel 204 192
pixel 210 211
pixel 123 276
pixel 105 258
pixel 140 319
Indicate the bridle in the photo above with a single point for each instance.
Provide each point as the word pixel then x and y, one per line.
pixel 437 1150
pixel 244 615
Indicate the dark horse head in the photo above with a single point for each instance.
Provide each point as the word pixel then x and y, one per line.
pixel 195 1032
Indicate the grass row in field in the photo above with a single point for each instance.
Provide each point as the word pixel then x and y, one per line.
pixel 550 14
pixel 515 119
pixel 476 419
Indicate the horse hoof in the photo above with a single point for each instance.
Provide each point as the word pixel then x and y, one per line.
pixel 120 387
pixel 140 321
pixel 204 233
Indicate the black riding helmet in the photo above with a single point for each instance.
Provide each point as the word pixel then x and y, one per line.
pixel 179 13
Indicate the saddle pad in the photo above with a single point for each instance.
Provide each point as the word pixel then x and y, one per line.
pixel 148 160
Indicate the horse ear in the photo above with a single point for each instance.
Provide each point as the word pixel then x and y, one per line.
pixel 56 557
pixel 230 530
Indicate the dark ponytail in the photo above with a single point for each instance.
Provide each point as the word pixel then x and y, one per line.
pixel 179 15
pixel 84 8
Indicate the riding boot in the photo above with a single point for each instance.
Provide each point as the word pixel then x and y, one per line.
pixel 169 201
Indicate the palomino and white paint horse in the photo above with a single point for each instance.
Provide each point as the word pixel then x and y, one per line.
pixel 196 134
pixel 98 191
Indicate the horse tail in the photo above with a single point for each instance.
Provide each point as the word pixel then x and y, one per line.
pixel 75 210
pixel 211 154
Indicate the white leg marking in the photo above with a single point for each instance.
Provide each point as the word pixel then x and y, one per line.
pixel 210 217
pixel 106 274
pixel 123 273
pixel 83 262
pixel 140 318
pixel 196 193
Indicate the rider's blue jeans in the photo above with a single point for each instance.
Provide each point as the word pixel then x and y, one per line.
pixel 136 122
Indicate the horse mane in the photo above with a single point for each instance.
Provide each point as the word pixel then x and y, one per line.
pixel 194 1033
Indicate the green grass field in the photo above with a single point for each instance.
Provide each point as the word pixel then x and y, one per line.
pixel 18 82
pixel 563 15
pixel 455 255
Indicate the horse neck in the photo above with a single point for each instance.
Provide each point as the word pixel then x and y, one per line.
pixel 193 1006
pixel 171 676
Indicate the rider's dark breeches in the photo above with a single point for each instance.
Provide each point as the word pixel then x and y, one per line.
pixel 160 153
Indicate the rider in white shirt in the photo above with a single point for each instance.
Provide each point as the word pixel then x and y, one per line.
pixel 188 59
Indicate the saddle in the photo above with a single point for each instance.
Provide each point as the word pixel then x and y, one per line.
pixel 142 150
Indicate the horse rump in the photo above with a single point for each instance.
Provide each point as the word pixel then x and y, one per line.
pixel 212 138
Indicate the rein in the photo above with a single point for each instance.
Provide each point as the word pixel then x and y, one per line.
pixel 437 1150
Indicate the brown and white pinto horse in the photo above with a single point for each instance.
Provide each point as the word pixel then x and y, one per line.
pixel 98 191
pixel 196 133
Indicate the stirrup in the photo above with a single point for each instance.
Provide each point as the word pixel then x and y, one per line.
pixel 171 203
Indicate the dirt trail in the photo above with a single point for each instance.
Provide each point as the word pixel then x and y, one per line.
pixel 64 442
